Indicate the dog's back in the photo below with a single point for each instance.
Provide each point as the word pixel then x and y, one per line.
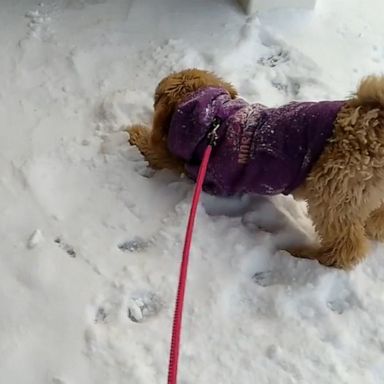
pixel 260 150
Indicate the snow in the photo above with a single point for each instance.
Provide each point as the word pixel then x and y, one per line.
pixel 253 6
pixel 91 239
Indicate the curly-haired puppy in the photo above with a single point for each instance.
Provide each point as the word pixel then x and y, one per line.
pixel 329 153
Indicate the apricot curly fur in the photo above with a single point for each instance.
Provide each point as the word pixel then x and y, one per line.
pixel 345 188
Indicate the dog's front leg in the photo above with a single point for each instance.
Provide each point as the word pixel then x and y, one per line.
pixel 374 227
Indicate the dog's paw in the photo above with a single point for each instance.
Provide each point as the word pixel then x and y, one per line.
pixel 311 253
pixel 326 257
pixel 302 252
pixel 375 234
pixel 138 135
pixel 374 228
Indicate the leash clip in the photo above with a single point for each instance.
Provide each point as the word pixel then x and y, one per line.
pixel 212 135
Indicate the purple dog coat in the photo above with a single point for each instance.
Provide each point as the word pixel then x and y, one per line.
pixel 259 150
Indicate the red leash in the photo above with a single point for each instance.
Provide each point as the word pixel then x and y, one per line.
pixel 178 316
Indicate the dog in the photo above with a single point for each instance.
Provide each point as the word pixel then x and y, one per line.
pixel 330 154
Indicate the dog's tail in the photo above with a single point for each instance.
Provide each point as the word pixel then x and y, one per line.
pixel 370 91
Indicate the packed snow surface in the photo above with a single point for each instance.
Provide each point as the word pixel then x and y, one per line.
pixel 91 238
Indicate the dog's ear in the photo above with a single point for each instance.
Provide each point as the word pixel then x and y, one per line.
pixel 161 120
pixel 230 89
pixel 206 78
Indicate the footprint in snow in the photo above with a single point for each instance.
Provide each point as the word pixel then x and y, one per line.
pixel 101 315
pixel 268 278
pixel 346 300
pixel 142 307
pixel 278 57
pixel 338 306
pixel 137 244
pixel 56 380
pixel 340 299
pixel 264 279
pixel 66 247
pixel 139 307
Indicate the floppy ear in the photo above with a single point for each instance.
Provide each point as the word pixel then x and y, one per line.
pixel 230 89
pixel 161 120
pixel 219 82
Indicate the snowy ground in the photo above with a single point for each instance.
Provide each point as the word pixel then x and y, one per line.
pixel 91 240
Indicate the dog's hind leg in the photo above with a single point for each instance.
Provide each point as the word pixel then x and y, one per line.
pixel 345 189
pixel 343 243
pixel 374 227
pixel 341 204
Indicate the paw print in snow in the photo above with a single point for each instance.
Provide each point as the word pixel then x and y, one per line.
pixel 56 380
pixel 278 57
pixel 66 247
pixel 143 306
pixel 273 277
pixel 101 315
pixel 263 279
pixel 137 307
pixel 137 244
pixel 343 303
pixel 342 297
